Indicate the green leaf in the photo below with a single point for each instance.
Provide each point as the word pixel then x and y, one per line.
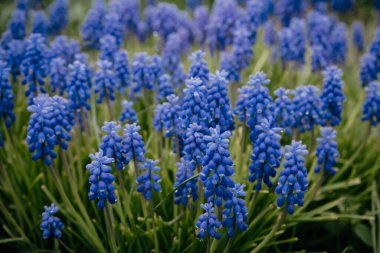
pixel 364 233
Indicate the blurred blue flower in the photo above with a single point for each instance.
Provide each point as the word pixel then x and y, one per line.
pixel 6 96
pixel 230 64
pixel 242 48
pixel 141 73
pixel 342 5
pixel 92 27
pixel 62 46
pixel 358 36
pixel 39 24
pixel 371 106
pixel 105 82
pixel 368 69
pixel 78 89
pixel 283 110
pixel 50 224
pixel 292 183
pixel 58 16
pixel 17 24
pixel 113 26
pixel 338 44
pixel 165 87
pixel 128 114
pixel 122 72
pixel 327 151
pixel 58 75
pixel 149 180
pixel 288 9
pixel 108 48
pixel 199 68
pixel 293 42
pixel 200 22
pixel 101 180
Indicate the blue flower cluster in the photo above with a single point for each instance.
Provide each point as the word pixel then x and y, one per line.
pixel 165 87
pixel 332 96
pixel 6 98
pixel 284 110
pixel 122 72
pixel 190 189
pixel 92 27
pixel 112 26
pixel 105 82
pixel 242 48
pixel 358 36
pixel 199 68
pixel 292 183
pixel 50 224
pixel 194 145
pixel 266 155
pixel 78 88
pixel 149 181
pixel 133 144
pixel 208 222
pixel 108 48
pixel 128 114
pixel 141 73
pixel 17 24
pixel 62 46
pixel 101 180
pixel 58 16
pixel 111 143
pixel 293 42
pixel 39 23
pixel 58 75
pixel 338 44
pixel 368 69
pixel 371 106
pixel 327 151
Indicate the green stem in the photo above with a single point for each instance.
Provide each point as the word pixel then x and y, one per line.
pixel 156 247
pixel 209 240
pixel 111 232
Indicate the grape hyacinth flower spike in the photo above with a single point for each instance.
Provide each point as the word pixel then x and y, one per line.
pixel 133 145
pixel 369 69
pixel 105 84
pixel 58 16
pixel 371 106
pixel 128 114
pixel 208 223
pixel 293 182
pixel 189 190
pixel 148 181
pixel 122 72
pixel 111 143
pixel 327 151
pixel 50 224
pixel 199 67
pixel 101 180
pixel 283 110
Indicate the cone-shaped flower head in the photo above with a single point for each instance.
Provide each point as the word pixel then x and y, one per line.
pixel 50 224
pixel 141 72
pixel 39 24
pixel 6 96
pixel 128 114
pixel 293 42
pixel 194 144
pixel 219 104
pixel 17 24
pixel 327 151
pixel 292 183
pixel 58 75
pixel 230 64
pixel 156 69
pixel 266 155
pixel 200 22
pixel 133 144
pixel 283 110
pixel 368 69
pixel 338 44
pixel 371 106
pixel 270 36
pixel 188 190
pixel 375 45
pixel 14 55
pixel 169 116
pixel 62 120
pixel 242 47
pixel 122 72
pixel 78 89
pixel 114 27
pixel 104 82
pixel 101 180
pixel 149 180
pixel 235 211
pixel 208 222
pixel 58 16
pixel 358 36
pixel 199 67
pixel 108 48
pixel 287 9
pixel 111 143
pixel 165 87
pixel 92 27
pixel 319 58
pixel 65 48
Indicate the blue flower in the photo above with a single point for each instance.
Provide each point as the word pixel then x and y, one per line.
pixel 368 69
pixel 17 24
pixel 200 21
pixel 332 96
pixel 83 59
pixel 217 167
pixel 230 64
pixel 92 27
pixel 158 119
pixel 133 144
pixel 194 104
pixel 58 16
pixel 342 5
pixel 104 82
pixel 287 9
pixel 122 72
pixel 319 29
pixel 111 143
pixel 113 26
pixel 108 48
pixel 171 54
pixel 283 110
pixel 78 89
pixel 101 180
pixel 179 76
pixel 219 104
pixel 257 13
pixel 292 183
pixel 149 181
pixel 242 48
pixel 260 104
pixel 34 66
pixel 358 36
pixel 293 42
pixel 188 190
pixel 128 12
pixel 194 145
pixel 242 103
pixel 62 120
pixel 270 36
pixel 65 48
pixel 192 4
pixel 221 25
pixel 58 75
pixel 208 222
pixel 14 56
pixel 266 155
pixel 327 151
pixel 156 70
pixel 307 108
pixel 235 211
pixel 50 224
pixel 6 96
pixel 170 116
pixel 128 114
pixel 141 73
pixel 319 58
pixel 338 44
pixel 39 24
pixel 371 106
pixel 199 67
pixel 165 87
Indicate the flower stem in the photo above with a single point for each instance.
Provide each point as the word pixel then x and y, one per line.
pixel 111 232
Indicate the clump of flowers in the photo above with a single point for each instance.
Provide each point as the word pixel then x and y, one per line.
pixel 327 151
pixel 50 224
pixel 149 181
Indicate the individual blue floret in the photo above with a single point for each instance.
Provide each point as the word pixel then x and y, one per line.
pixel 39 24
pixel 218 102
pixel 105 82
pixel 133 144
pixel 332 97
pixel 50 224
pixel 17 24
pixel 235 211
pixel 111 143
pixel 371 106
pixel 194 104
pixel 149 180
pixel 58 16
pixel 101 180
pixel 34 66
pixel 189 190
pixel 266 155
pixel 283 110
pixel 122 72
pixel 128 114
pixel 369 69
pixel 307 108
pixel 208 223
pixel 327 151
pixel 358 36
pixel 58 75
pixel 293 182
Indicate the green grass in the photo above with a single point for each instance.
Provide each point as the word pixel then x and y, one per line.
pixel 344 216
